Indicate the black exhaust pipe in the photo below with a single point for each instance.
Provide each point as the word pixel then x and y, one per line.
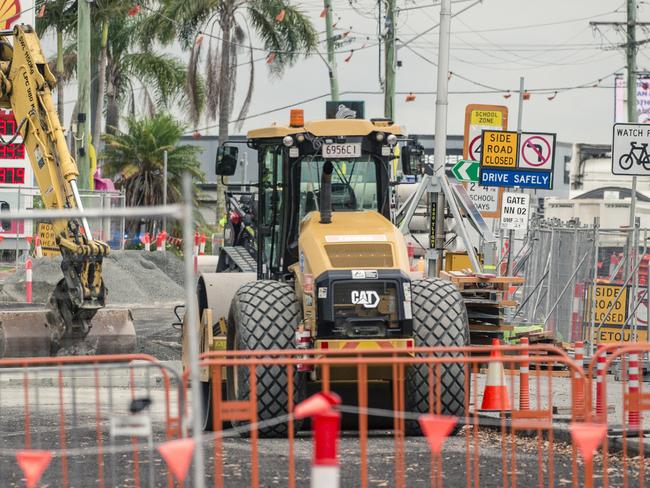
pixel 326 194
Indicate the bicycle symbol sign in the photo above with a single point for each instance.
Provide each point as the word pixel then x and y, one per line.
pixel 630 154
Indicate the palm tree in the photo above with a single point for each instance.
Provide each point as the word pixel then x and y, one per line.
pixel 135 159
pixel 60 15
pixel 285 32
pixel 160 78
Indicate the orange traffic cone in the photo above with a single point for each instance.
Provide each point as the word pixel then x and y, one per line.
pixel 495 395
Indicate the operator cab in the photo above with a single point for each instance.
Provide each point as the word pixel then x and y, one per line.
pixel 291 161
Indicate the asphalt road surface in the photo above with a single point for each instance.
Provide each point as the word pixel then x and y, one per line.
pixel 119 469
pixel 156 336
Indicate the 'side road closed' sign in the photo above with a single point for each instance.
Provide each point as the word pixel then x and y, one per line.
pixel 521 160
pixel 515 211
pixel 499 149
pixel 630 153
pixel 606 297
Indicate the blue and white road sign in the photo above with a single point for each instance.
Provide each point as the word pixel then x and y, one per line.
pixel 521 178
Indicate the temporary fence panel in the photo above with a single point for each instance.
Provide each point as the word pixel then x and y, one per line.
pixel 622 402
pixel 100 418
pixel 380 416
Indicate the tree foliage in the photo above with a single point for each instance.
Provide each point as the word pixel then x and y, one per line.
pixel 134 159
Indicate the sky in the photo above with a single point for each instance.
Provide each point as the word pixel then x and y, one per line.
pixel 493 43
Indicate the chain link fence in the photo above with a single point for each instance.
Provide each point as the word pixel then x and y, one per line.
pixel 561 262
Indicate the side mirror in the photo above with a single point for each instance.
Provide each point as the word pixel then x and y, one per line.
pixel 226 160
pixel 411 155
pixel 5 224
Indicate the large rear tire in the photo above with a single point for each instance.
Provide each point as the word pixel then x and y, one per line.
pixel 264 315
pixel 439 319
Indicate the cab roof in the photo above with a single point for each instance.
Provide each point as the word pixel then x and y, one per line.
pixel 328 127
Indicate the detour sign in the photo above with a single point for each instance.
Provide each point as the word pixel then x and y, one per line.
pixel 612 329
pixel 605 296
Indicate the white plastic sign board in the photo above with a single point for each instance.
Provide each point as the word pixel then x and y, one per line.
pixel 515 211
pixel 138 425
pixel 486 199
pixel 630 152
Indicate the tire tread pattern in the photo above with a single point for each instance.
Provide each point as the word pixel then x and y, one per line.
pixel 439 319
pixel 266 315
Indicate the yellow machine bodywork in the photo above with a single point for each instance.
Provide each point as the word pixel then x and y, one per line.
pixel 354 240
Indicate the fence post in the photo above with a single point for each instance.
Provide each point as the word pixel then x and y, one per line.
pixel 633 390
pixel 600 378
pixel 325 471
pixel 28 280
pixel 579 386
pixel 524 379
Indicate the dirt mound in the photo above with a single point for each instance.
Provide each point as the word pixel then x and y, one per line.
pixel 131 277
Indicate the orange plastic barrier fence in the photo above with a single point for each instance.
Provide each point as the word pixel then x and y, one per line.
pixel 88 421
pixel 379 417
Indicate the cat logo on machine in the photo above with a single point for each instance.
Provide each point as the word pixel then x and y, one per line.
pixel 367 298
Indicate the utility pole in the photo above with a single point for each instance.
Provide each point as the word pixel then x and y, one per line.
pixel 390 63
pixel 632 115
pixel 83 94
pixel 440 142
pixel 631 45
pixel 511 233
pixel 331 57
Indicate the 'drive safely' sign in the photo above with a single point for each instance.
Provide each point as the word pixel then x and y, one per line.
pixel 523 160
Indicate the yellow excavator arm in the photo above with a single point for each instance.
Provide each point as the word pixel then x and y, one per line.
pixel 26 84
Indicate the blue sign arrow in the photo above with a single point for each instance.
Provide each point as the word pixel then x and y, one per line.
pixel 541 180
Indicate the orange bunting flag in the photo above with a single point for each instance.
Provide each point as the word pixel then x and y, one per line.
pixel 280 16
pixel 41 11
pixel 178 456
pixel 324 12
pixel 135 10
pixel 526 95
pixel 33 463
pixel 587 437
pixel 552 97
pixel 199 40
pixel 507 95
pixel 437 428
pixel 410 97
pixel 349 57
pixel 270 58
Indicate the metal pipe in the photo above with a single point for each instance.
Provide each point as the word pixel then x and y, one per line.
pixel 414 201
pixel 77 199
pixel 192 332
pixel 173 211
pixel 455 211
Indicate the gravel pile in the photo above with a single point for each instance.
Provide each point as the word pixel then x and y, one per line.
pixel 131 277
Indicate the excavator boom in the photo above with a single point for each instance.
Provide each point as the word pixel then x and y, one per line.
pixel 26 84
